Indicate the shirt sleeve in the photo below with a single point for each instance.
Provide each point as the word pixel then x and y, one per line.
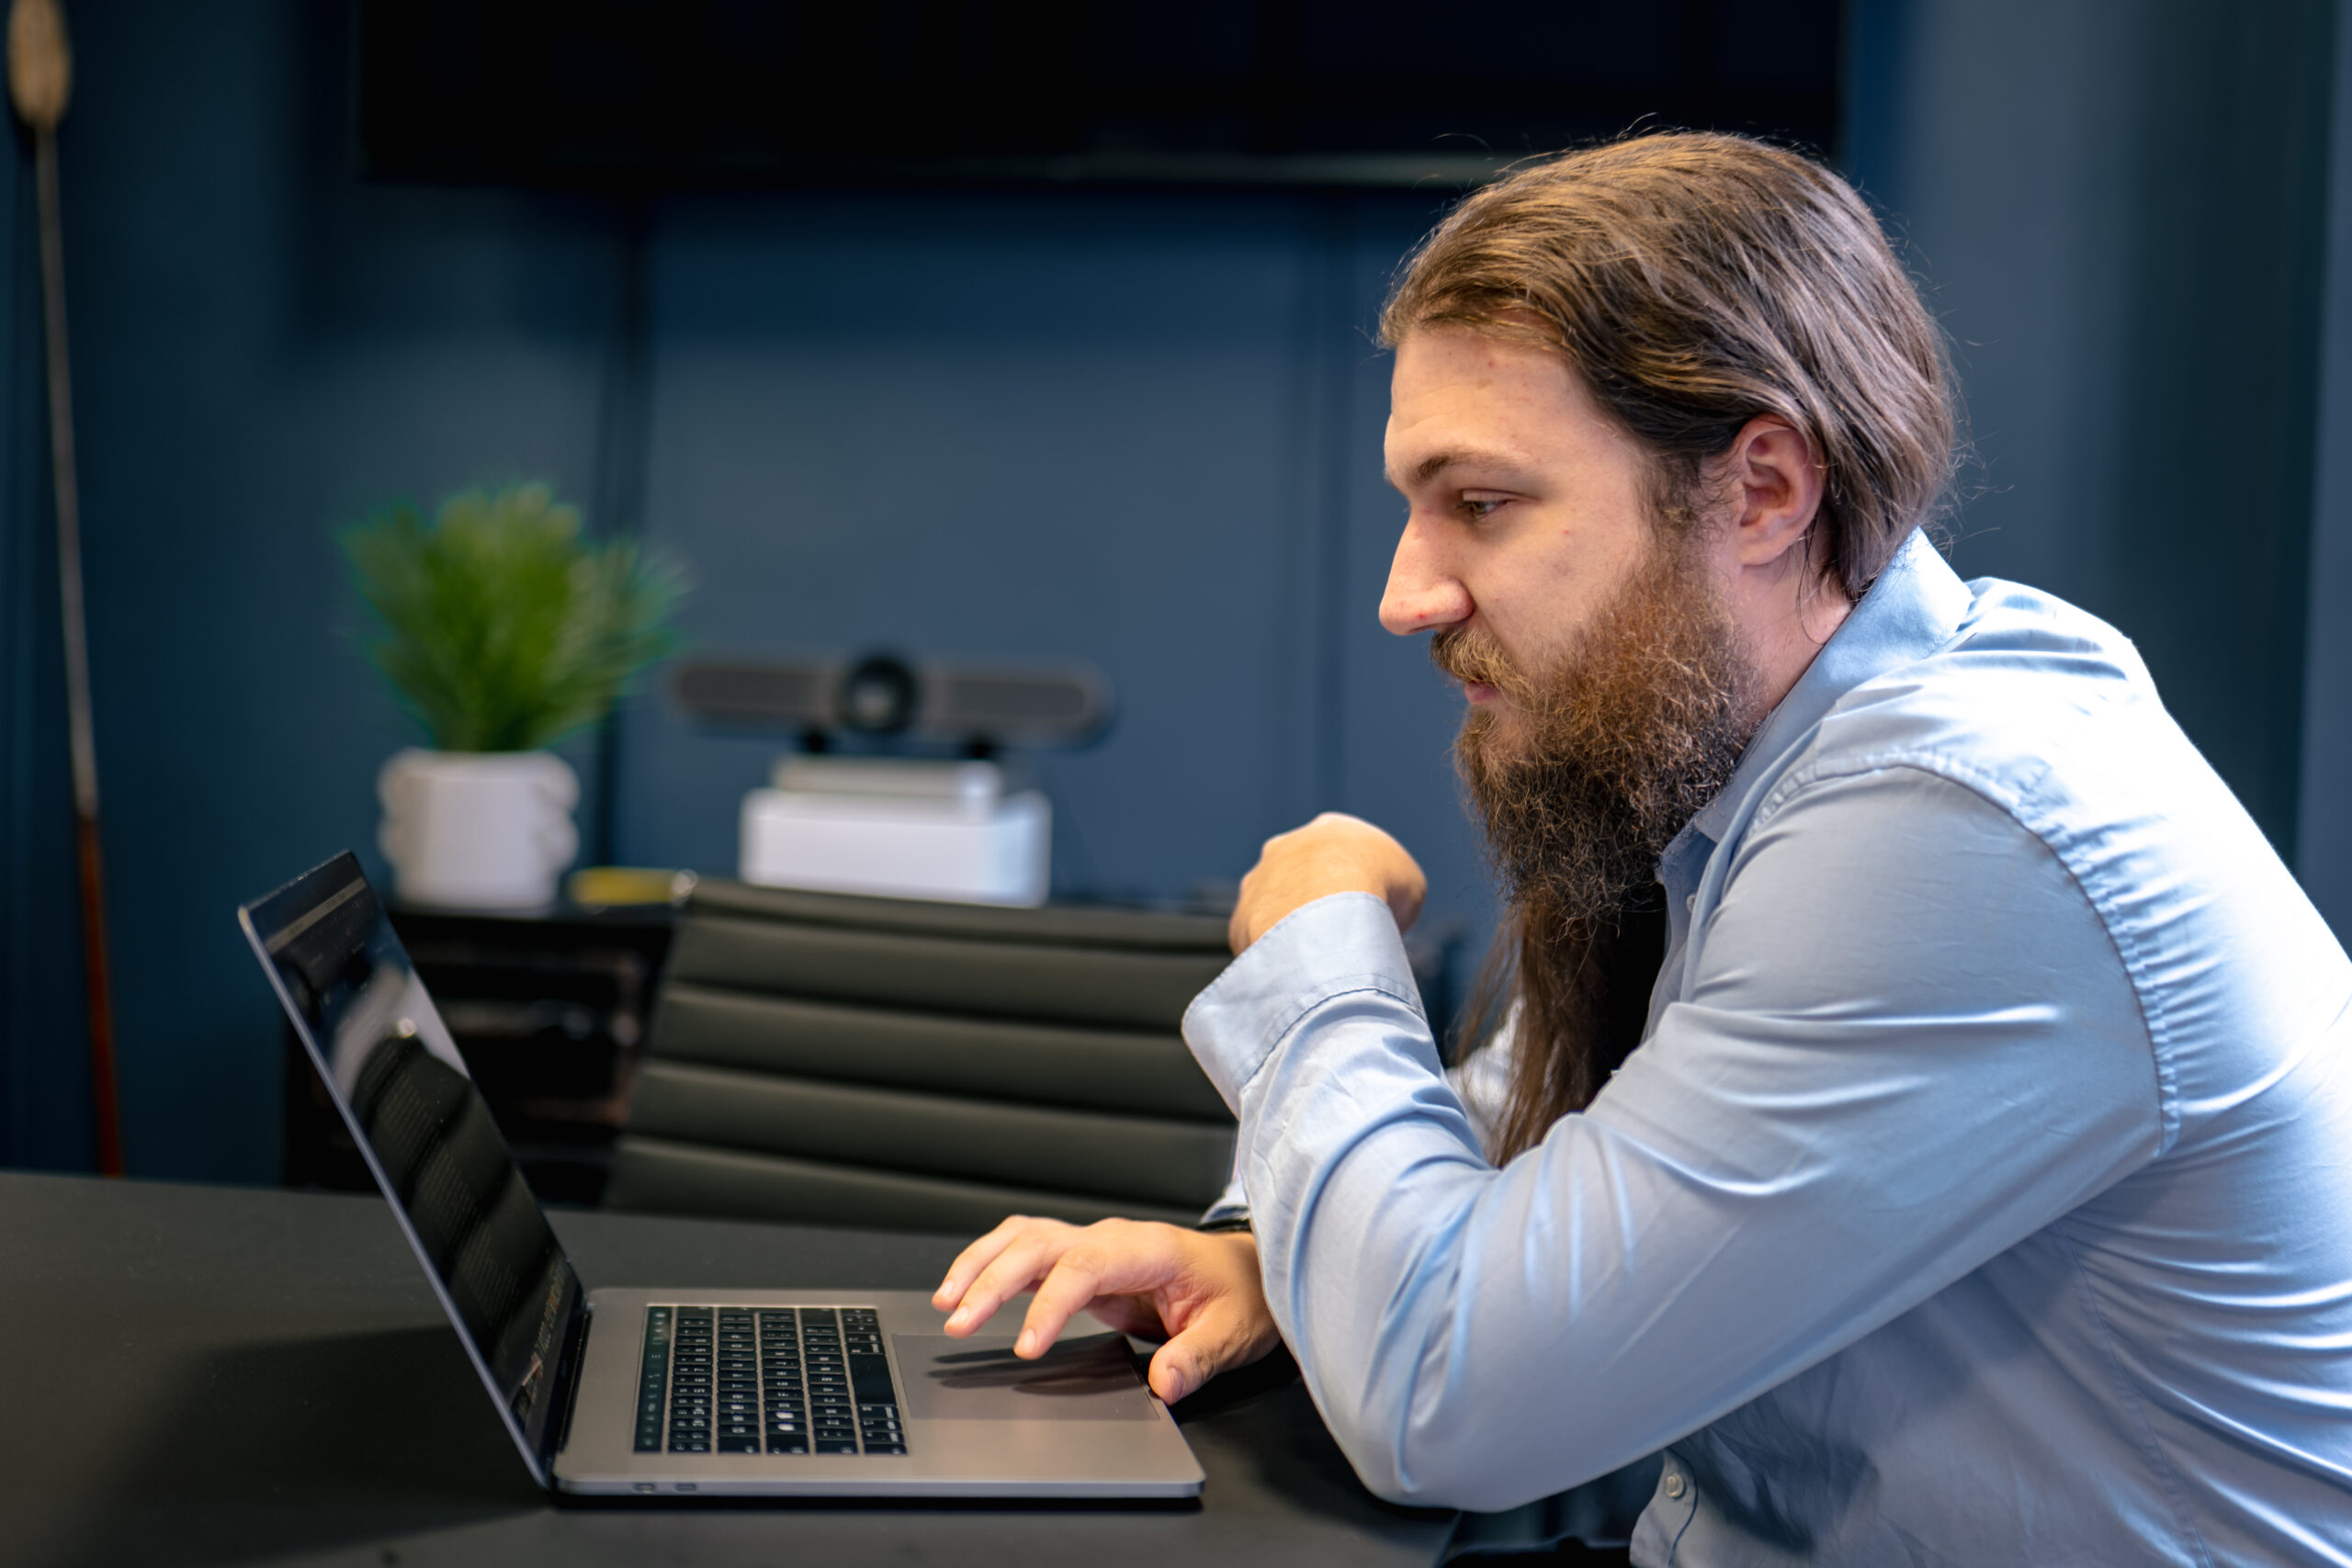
pixel 1481 1080
pixel 1908 1044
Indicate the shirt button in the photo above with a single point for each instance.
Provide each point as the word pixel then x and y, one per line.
pixel 1690 902
pixel 1674 1484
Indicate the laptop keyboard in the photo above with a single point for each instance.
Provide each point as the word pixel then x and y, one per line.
pixel 766 1379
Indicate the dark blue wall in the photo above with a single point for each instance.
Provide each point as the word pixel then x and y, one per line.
pixel 2120 205
pixel 2324 841
pixel 1091 425
pixel 44 1072
pixel 261 349
pixel 1143 431
pixel 1140 431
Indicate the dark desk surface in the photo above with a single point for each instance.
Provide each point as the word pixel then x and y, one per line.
pixel 227 1375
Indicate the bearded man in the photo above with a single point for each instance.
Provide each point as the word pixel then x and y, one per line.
pixel 1973 1187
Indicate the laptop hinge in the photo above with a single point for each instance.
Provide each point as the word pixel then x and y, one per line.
pixel 567 1383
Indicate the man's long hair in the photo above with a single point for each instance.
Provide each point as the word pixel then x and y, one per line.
pixel 1692 282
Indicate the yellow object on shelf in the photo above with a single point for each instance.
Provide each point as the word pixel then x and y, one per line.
pixel 595 886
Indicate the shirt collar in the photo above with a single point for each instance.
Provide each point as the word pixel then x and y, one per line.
pixel 1911 611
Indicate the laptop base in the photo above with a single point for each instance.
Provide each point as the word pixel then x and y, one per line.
pixel 977 1421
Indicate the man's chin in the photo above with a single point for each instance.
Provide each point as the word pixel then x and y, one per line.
pixel 1497 733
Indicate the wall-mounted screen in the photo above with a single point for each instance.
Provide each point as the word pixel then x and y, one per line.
pixel 655 93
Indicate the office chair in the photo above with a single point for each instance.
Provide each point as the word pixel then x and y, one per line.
pixel 893 1064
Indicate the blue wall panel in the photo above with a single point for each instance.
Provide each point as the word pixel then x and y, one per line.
pixel 1103 427
pixel 994 427
pixel 2118 206
pixel 1143 431
pixel 262 349
pixel 1115 428
pixel 2324 843
pixel 45 1118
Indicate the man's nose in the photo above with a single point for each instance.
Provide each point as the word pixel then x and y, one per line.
pixel 1422 595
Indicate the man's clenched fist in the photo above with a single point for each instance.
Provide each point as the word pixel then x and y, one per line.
pixel 1334 853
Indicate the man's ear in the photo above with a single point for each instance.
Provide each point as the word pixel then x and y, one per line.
pixel 1775 475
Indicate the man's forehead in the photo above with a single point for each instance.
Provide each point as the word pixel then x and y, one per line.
pixel 1434 437
pixel 1407 471
pixel 1463 399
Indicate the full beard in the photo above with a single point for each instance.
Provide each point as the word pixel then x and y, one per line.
pixel 1602 760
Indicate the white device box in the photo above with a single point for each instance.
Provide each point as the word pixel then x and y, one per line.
pixel 900 828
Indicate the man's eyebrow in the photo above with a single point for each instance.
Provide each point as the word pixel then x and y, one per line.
pixel 1436 463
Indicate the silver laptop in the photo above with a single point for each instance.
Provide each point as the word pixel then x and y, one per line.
pixel 837 1393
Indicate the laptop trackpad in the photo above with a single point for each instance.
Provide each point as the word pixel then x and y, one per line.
pixel 980 1379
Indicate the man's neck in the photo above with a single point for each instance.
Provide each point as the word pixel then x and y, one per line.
pixel 1785 621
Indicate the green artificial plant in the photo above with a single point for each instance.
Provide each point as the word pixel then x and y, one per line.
pixel 498 626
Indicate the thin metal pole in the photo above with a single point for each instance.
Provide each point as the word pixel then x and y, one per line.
pixel 84 746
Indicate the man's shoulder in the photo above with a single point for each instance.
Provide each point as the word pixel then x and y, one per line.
pixel 2038 705
pixel 2047 714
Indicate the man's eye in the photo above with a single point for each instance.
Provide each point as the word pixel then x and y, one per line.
pixel 1479 511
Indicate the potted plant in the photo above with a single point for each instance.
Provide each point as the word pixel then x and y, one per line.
pixel 501 632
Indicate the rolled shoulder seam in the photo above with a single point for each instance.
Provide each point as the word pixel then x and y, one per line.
pixel 1950 769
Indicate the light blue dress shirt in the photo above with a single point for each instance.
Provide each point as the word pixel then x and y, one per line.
pixel 1981 1193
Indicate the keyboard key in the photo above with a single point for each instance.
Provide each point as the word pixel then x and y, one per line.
pixel 871 1375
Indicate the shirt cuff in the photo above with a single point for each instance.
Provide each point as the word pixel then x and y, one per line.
pixel 1346 942
pixel 1232 1204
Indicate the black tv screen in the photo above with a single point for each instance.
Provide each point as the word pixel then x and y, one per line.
pixel 1285 92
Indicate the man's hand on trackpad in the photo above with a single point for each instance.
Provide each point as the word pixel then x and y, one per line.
pixel 1199 1291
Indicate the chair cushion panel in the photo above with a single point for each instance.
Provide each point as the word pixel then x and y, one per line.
pixel 658 1176
pixel 1153 1160
pixel 1056 925
pixel 1000 1059
pixel 1109 987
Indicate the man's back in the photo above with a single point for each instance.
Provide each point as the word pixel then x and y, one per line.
pixel 2163 1371
pixel 1974 1197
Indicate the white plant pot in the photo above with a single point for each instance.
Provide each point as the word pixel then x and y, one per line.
pixel 478 829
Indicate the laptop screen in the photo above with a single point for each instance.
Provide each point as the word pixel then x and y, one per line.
pixel 427 1133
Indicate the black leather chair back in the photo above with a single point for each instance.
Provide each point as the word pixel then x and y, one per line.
pixel 895 1063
